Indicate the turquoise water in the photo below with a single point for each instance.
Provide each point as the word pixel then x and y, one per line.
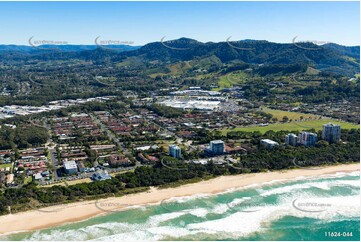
pixel 317 208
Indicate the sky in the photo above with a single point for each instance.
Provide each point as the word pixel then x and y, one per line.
pixel 138 23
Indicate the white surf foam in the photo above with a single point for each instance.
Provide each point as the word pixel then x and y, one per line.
pixel 236 224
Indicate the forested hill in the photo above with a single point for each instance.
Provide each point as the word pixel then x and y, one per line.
pixel 331 58
pixel 343 60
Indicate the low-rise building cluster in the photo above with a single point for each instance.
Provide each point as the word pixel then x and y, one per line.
pixel 18 110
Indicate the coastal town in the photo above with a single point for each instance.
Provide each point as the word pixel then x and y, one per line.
pixel 180 121
pixel 97 145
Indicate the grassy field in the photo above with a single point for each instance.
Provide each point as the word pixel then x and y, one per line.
pixel 179 68
pixel 279 114
pixel 7 165
pixel 130 61
pixel 294 126
pixel 230 80
pixel 28 180
pixel 312 71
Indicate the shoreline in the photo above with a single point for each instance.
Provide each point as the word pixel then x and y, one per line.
pixel 79 211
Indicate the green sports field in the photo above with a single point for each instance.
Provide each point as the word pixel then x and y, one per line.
pixel 279 114
pixel 294 126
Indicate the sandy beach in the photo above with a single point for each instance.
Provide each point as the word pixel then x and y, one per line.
pixel 60 214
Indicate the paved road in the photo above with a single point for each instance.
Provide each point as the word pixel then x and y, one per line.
pixel 54 160
pixel 179 140
pixel 111 135
pixel 52 150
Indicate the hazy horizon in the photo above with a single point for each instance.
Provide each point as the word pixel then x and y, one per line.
pixel 139 23
pixel 165 40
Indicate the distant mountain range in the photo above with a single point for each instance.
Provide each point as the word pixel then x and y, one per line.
pixel 66 48
pixel 328 57
pixel 332 58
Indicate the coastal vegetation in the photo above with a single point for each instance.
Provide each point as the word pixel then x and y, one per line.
pixel 30 196
pixel 22 137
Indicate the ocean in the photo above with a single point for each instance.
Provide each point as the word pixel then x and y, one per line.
pixel 325 207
